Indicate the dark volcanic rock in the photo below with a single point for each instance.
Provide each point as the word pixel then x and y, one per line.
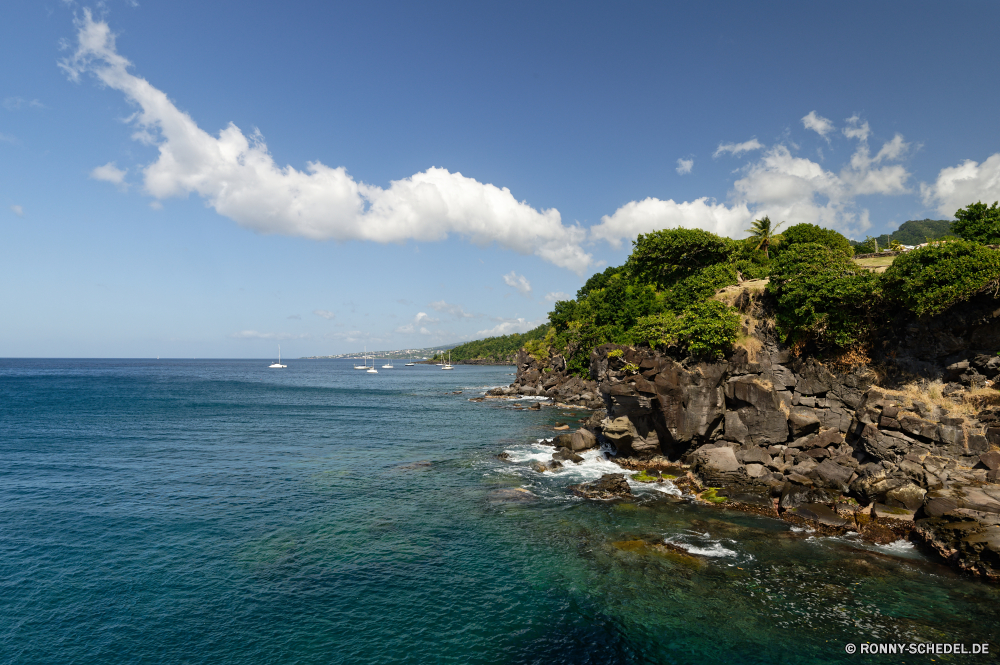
pixel 608 486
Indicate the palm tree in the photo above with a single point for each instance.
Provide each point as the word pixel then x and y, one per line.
pixel 763 231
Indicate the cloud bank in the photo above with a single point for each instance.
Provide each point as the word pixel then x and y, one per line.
pixel 778 184
pixel 958 186
pixel 235 175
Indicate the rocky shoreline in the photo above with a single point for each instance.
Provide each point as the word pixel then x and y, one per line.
pixel 909 451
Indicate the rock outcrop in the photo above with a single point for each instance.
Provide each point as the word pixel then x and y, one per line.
pixel 820 444
pixel 833 449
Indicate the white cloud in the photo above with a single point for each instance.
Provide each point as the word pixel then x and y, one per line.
pixel 958 186
pixel 455 310
pixel 238 177
pixel 557 295
pixel 737 149
pixel 15 103
pixel 17 210
pixel 324 313
pixel 857 130
pixel 684 166
pixel 778 184
pixel 519 282
pixel 818 124
pixel 253 334
pixel 651 214
pixel 418 324
pixel 508 326
pixel 109 173
pixel 156 205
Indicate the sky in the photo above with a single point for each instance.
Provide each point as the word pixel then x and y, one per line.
pixel 191 179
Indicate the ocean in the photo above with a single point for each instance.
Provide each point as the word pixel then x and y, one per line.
pixel 217 511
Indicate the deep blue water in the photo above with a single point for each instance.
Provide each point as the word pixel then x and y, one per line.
pixel 221 512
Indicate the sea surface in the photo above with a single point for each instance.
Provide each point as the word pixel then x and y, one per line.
pixel 219 512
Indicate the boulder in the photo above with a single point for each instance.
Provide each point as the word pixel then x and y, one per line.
pixel 583 439
pixel 830 474
pixel 990 460
pixel 802 420
pixel 563 441
pixel 908 496
pixel 608 486
pixel 566 455
pixel 821 514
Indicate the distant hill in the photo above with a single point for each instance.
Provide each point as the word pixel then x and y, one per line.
pixel 915 232
pixel 497 349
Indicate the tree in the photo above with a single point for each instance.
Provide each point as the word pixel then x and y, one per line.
pixel 662 258
pixel 823 296
pixel 803 233
pixel 763 233
pixel 931 279
pixel 978 222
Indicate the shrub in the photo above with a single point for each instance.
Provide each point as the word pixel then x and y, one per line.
pixel 869 246
pixel 810 233
pixel 662 258
pixel 931 279
pixel 598 280
pixel 978 222
pixel 620 303
pixel 656 330
pixel 699 286
pixel 823 296
pixel 616 353
pixel 708 329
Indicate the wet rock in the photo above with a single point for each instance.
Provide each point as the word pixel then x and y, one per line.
pixel 608 486
pixel 511 495
pixel 583 439
pixel 566 455
pixel 563 441
pixel 503 457
pixel 535 407
pixel 821 514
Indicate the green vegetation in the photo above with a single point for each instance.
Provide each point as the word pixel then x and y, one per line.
pixel 762 233
pixel 822 296
pixel 497 349
pixel 645 477
pixel 711 495
pixel 810 233
pixel 913 232
pixel 933 278
pixel 979 223
pixel 665 294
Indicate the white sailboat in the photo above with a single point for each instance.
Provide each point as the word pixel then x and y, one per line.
pixel 388 364
pixel 410 364
pixel 448 366
pixel 371 370
pixel 365 366
pixel 276 365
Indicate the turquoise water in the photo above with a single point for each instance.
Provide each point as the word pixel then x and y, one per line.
pixel 222 512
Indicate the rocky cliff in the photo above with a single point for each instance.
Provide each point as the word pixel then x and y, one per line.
pixel 910 448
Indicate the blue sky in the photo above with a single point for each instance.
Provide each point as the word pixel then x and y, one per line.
pixel 190 179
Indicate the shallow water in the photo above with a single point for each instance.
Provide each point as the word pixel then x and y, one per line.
pixel 219 511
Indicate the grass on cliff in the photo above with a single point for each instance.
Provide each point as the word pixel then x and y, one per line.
pixel 968 403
